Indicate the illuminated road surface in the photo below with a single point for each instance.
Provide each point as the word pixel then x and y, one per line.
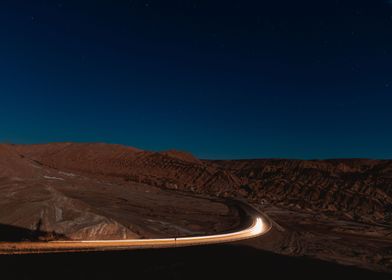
pixel 259 226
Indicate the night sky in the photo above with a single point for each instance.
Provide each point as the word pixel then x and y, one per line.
pixel 220 79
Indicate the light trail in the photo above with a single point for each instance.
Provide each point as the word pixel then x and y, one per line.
pixel 259 226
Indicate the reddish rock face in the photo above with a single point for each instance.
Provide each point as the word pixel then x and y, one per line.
pixel 68 191
pixel 357 189
pixel 13 165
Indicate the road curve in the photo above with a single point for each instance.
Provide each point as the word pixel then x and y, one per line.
pixel 259 225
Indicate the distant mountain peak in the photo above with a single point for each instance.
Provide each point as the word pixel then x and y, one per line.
pixel 181 155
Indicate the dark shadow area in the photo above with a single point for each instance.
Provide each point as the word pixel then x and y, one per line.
pixel 207 262
pixel 10 233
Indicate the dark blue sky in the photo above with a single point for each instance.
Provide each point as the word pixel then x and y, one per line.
pixel 221 79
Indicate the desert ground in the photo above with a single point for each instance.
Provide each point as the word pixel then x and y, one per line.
pixel 333 210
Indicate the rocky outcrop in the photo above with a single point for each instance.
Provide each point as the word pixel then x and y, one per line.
pixel 357 189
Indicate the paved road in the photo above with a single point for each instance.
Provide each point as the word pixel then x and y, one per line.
pixel 259 225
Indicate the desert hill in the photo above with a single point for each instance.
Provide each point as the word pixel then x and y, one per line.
pixel 60 190
pixel 337 210
pixel 352 189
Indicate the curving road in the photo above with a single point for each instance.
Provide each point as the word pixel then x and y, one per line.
pixel 259 225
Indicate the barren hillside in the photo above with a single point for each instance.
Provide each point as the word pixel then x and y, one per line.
pixel 336 210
